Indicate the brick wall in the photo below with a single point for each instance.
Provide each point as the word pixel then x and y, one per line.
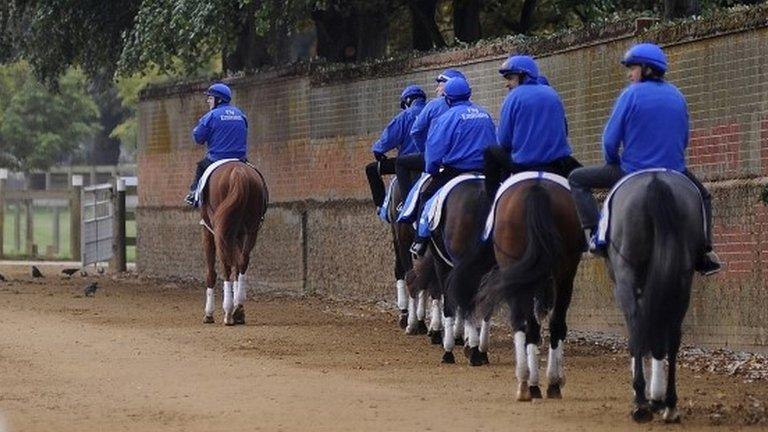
pixel 310 133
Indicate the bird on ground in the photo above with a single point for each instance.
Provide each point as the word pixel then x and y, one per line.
pixel 91 289
pixel 36 272
pixel 2 278
pixel 70 271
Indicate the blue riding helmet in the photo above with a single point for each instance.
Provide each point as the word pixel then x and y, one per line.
pixel 457 90
pixel 220 91
pixel 411 92
pixel 646 54
pixel 520 64
pixel 448 74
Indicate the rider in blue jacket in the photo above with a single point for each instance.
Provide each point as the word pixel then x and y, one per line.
pixel 224 129
pixel 412 165
pixel 650 124
pixel 456 142
pixel 533 134
pixel 397 135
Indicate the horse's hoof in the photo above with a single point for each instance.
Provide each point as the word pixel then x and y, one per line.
pixel 657 406
pixel 475 359
pixel 238 316
pixel 207 319
pixel 448 357
pixel 228 319
pixel 671 415
pixel 421 328
pixel 403 321
pixel 642 414
pixel 553 391
pixel 484 358
pixel 523 392
pixel 436 338
pixel 535 392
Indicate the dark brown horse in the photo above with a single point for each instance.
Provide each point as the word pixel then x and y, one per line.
pixel 537 244
pixel 233 209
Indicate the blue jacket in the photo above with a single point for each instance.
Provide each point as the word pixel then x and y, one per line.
pixel 650 118
pixel 532 125
pixel 420 129
pixel 397 134
pixel 225 130
pixel 459 137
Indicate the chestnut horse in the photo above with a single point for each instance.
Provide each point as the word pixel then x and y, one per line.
pixel 234 204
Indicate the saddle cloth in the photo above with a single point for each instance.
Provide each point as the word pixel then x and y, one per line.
pixel 384 210
pixel 204 179
pixel 433 209
pixel 513 180
pixel 603 227
pixel 409 205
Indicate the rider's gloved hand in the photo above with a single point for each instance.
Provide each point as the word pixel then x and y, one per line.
pixel 381 157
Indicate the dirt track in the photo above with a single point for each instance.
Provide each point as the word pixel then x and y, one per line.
pixel 136 357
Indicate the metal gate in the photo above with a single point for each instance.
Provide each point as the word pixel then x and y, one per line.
pixel 97 224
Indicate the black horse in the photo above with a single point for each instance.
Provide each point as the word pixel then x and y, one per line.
pixel 655 235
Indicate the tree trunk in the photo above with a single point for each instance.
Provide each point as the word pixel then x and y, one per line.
pixel 466 20
pixel 680 8
pixel 251 50
pixel 526 16
pixel 106 150
pixel 336 36
pixel 426 35
pixel 371 34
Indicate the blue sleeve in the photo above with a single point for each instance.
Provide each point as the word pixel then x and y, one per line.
pixel 506 125
pixel 420 128
pixel 202 131
pixel 614 129
pixel 438 143
pixel 392 136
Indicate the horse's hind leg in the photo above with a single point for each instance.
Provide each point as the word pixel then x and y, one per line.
pixel 228 303
pixel 210 278
pixel 558 331
pixel 671 415
pixel 532 341
pixel 401 289
pixel 520 322
pixel 240 287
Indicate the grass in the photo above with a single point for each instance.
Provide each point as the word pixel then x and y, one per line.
pixel 44 232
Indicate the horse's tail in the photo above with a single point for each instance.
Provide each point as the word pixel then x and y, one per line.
pixel 661 293
pixel 466 277
pixel 231 217
pixel 533 273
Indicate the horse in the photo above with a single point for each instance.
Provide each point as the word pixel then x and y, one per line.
pixel 457 235
pixel 537 243
pixel 234 204
pixel 655 234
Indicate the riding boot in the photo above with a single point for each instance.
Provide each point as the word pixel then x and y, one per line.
pixel 593 246
pixel 190 198
pixel 709 263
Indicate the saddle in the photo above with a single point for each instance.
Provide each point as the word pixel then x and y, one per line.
pixel 201 185
pixel 513 180
pixel 603 227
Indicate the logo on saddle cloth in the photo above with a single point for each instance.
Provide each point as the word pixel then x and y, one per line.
pixel 603 227
pixel 513 180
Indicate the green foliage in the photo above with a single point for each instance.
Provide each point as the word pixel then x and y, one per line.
pixel 40 128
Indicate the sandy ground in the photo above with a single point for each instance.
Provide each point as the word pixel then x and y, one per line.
pixel 137 357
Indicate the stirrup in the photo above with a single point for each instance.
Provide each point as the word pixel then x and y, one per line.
pixel 709 264
pixel 190 199
pixel 418 248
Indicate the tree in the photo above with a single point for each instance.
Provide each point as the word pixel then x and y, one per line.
pixel 426 34
pixel 41 128
pixel 466 20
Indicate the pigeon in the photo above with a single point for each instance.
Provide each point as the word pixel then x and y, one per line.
pixel 101 270
pixel 91 289
pixel 70 271
pixel 36 272
pixel 2 278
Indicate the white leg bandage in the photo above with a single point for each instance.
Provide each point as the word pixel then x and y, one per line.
pixel 412 306
pixel 228 302
pixel 240 290
pixel 448 339
pixel 658 379
pixel 436 322
pixel 402 295
pixel 421 311
pixel 458 326
pixel 470 332
pixel 485 335
pixel 521 362
pixel 555 370
pixel 533 364
pixel 210 297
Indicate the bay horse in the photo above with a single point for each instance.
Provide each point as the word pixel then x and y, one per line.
pixel 234 204
pixel 537 243
pixel 655 234
pixel 464 213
